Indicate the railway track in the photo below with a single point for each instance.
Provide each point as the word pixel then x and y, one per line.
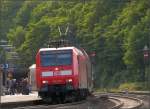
pixel 99 101
pixel 126 102
pixel 49 106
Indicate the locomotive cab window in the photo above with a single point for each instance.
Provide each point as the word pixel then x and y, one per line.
pixel 56 58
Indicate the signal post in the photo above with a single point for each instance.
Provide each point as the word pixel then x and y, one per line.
pixel 146 55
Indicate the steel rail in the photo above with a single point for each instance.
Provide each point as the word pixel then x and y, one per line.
pixel 119 103
pixel 122 105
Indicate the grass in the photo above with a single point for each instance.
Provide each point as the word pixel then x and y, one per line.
pixel 134 86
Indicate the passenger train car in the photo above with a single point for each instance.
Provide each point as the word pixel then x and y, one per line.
pixel 32 77
pixel 63 72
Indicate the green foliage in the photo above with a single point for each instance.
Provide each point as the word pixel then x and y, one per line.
pixel 131 86
pixel 116 30
pixel 8 10
pixel 24 13
pixel 17 36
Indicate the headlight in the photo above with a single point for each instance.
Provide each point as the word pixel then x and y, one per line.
pixel 66 72
pixel 69 80
pixel 44 82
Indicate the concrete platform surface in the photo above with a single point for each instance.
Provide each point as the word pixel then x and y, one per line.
pixel 19 98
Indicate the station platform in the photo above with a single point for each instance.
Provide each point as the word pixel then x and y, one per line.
pixel 19 98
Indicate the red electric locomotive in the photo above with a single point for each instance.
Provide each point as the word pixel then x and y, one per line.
pixel 63 73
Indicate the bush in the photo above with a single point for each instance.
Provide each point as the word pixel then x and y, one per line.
pixel 132 86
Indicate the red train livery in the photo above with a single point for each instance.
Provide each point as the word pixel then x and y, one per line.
pixel 63 72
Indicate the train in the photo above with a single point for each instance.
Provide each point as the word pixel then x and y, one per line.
pixel 63 73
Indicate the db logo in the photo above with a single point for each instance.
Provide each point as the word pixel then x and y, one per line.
pixel 56 73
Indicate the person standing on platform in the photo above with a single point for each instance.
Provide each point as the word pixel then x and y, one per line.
pixel 10 86
pixel 25 88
